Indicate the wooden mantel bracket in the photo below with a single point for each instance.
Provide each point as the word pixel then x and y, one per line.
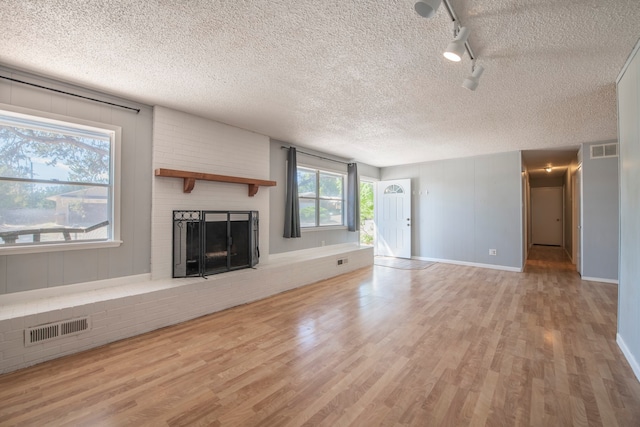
pixel 190 179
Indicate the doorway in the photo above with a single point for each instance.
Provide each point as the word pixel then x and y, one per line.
pixel 393 218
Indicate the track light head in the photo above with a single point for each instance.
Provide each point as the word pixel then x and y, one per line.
pixel 472 81
pixel 456 48
pixel 427 8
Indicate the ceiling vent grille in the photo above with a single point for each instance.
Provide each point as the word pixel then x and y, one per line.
pixel 51 331
pixel 602 151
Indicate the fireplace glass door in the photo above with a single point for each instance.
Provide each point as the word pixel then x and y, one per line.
pixel 212 242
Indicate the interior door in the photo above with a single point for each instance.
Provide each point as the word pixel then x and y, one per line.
pixel 393 218
pixel 546 216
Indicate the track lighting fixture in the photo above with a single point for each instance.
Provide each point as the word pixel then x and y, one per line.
pixel 427 8
pixel 472 81
pixel 460 44
pixel 456 48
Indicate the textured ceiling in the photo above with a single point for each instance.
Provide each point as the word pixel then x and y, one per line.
pixel 361 79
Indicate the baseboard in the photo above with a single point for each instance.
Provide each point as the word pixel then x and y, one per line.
pixel 470 264
pixel 629 356
pixel 599 279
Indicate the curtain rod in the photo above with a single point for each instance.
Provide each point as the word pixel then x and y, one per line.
pixel 315 155
pixel 137 110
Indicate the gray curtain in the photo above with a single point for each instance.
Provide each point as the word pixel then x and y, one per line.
pixel 291 204
pixel 353 198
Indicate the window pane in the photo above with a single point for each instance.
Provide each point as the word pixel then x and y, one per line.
pixel 330 185
pixel 331 212
pixel 56 156
pixel 307 212
pixel 393 189
pixel 52 213
pixel 306 182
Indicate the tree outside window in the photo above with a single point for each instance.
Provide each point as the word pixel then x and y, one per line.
pixel 366 213
pixel 55 181
pixel 321 197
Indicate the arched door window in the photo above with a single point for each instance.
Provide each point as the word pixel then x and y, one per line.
pixel 393 189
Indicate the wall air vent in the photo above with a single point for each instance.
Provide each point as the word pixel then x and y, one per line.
pixel 51 331
pixel 602 151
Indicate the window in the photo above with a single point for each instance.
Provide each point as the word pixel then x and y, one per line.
pixel 321 197
pixel 57 181
pixel 393 189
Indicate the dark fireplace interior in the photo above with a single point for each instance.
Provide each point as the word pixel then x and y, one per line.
pixel 212 242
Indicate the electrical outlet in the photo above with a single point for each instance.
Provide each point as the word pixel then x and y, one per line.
pixel 493 252
pixel 339 262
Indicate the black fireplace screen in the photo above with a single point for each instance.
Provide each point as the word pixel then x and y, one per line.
pixel 211 242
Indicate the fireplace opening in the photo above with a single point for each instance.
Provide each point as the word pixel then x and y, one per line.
pixel 212 242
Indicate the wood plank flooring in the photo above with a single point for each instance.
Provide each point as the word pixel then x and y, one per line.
pixel 445 346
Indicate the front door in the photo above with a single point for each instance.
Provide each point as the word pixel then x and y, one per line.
pixel 393 218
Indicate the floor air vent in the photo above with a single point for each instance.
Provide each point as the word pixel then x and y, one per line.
pixel 51 331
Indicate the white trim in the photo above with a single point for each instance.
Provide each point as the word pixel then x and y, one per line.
pixel 629 356
pixel 59 247
pixel 599 279
pixel 568 254
pixel 323 168
pixel 470 264
pixel 114 172
pixel 323 228
pixel 636 48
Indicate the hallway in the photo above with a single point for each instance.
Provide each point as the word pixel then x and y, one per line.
pixel 549 258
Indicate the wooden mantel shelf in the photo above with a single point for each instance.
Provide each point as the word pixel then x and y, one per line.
pixel 190 179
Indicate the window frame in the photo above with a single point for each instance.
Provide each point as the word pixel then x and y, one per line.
pixel 318 171
pixel 114 171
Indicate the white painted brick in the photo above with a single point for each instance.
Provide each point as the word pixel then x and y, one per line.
pixel 42 355
pixel 11 336
pixel 13 351
pixel 14 345
pixel 17 323
pixel 129 316
pixel 5 325
pixel 9 364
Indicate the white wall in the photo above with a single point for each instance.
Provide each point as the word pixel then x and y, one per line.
pixel 629 277
pixel 186 142
pixel 50 269
pixel 464 207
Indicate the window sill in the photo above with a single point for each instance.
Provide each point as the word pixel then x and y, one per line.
pixel 58 247
pixel 323 228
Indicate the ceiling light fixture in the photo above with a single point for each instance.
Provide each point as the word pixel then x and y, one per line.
pixel 460 44
pixel 548 169
pixel 427 8
pixel 472 81
pixel 457 47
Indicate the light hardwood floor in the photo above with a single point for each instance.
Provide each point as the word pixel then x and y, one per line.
pixel 448 345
